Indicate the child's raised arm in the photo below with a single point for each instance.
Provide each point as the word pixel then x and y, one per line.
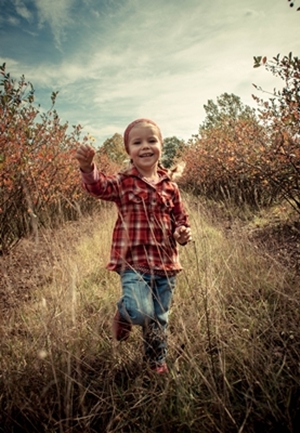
pixel 85 155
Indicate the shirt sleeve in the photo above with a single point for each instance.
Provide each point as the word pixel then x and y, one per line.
pixel 90 178
pixel 100 185
pixel 179 213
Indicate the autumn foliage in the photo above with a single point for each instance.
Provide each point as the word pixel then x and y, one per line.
pixel 250 157
pixel 223 162
pixel 39 178
pixel 240 154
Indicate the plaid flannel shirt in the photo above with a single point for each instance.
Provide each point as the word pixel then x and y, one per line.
pixel 147 218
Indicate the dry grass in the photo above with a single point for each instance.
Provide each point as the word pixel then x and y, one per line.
pixel 234 353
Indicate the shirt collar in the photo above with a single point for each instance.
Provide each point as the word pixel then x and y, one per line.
pixel 133 171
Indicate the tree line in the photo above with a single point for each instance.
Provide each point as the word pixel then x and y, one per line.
pixel 240 154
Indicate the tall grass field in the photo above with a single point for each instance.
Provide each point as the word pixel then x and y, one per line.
pixel 234 341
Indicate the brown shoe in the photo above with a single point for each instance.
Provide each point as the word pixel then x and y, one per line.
pixel 120 328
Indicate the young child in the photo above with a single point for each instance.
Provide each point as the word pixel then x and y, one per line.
pixel 151 219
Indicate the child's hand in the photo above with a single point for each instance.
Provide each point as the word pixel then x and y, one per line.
pixel 183 235
pixel 85 155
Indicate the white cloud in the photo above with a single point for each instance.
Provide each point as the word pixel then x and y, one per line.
pixel 160 59
pixel 57 14
pixel 22 10
pixel 13 65
pixel 14 21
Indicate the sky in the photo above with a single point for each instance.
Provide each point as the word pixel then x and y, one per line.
pixel 113 61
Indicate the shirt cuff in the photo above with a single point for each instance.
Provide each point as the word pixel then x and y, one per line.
pixel 90 178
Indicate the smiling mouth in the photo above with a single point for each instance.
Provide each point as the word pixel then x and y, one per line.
pixel 145 155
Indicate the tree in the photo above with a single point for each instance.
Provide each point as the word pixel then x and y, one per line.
pixel 224 162
pixel 284 106
pixel 228 109
pixel 281 116
pixel 114 149
pixel 38 178
pixel 172 146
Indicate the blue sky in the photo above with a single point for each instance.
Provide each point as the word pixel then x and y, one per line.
pixel 113 61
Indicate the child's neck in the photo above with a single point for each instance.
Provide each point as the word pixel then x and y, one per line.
pixel 150 174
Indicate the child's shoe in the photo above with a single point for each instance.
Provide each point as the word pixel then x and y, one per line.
pixel 120 328
pixel 160 368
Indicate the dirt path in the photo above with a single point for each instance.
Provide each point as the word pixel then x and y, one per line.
pixel 29 265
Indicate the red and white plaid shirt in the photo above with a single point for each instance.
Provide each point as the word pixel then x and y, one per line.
pixel 147 218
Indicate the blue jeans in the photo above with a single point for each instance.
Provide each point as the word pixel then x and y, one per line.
pixel 146 302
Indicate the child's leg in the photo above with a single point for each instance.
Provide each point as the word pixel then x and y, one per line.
pixel 155 334
pixel 136 305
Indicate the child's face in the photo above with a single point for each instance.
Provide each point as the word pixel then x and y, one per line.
pixel 144 145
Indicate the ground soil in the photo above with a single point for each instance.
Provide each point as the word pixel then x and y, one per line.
pixel 29 265
pixel 282 242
